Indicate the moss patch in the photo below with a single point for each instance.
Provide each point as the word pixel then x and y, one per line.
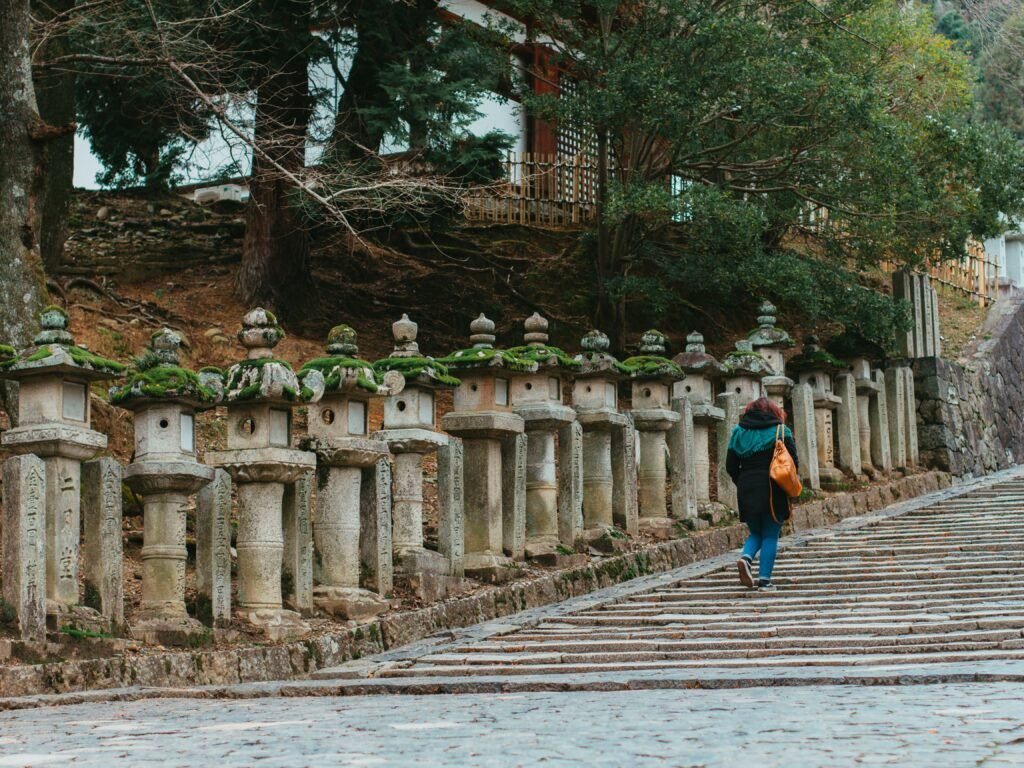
pixel 79 356
pixel 328 366
pixel 414 367
pixel 545 355
pixel 484 357
pixel 163 382
pixel 653 365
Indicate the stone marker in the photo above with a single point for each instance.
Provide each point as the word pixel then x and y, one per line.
pixel 896 402
pixel 165 398
pixel 919 319
pixel 297 566
pixel 901 289
pixel 514 459
pixel 54 413
pixel 881 448
pixel 101 544
pixel 682 449
pixel 570 483
pixel 848 457
pixel 910 419
pixel 805 434
pixel 609 460
pixel 410 430
pixel 348 459
pixel 652 384
pixel 483 418
pixel 23 544
pixel 936 335
pixel 928 316
pixel 451 522
pixel 537 397
pixel 702 371
pixel 860 354
pixel 729 404
pixel 375 551
pixel 260 392
pixel 213 547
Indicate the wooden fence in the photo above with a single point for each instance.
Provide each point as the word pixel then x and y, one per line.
pixel 975 277
pixel 544 190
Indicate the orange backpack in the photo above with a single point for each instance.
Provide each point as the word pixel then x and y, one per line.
pixel 783 471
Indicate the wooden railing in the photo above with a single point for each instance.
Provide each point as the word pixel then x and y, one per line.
pixel 543 190
pixel 975 277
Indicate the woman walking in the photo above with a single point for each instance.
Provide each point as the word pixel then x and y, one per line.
pixel 764 507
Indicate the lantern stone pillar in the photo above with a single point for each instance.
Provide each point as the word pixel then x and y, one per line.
pixel 410 431
pixel 494 479
pixel 349 461
pixel 554 504
pixel 816 367
pixel 770 341
pixel 54 414
pixel 165 398
pixel 608 444
pixel 702 372
pixel 260 392
pixel 653 418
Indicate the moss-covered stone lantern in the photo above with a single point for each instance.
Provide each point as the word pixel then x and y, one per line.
pixel 260 393
pixel 165 398
pixel 494 446
pixel 653 378
pixel 54 417
pixel 554 511
pixel 865 358
pixel 703 372
pixel 744 371
pixel 410 430
pixel 349 461
pixel 609 444
pixel 815 367
pixel 769 341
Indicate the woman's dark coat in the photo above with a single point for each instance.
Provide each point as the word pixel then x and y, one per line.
pixel 749 471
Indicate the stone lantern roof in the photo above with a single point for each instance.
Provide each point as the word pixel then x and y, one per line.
pixel 851 344
pixel 54 352
pixel 482 355
pixel 696 360
pixel 744 361
pixel 539 351
pixel 595 360
pixel 814 358
pixel 652 363
pixel 158 375
pixel 262 378
pixel 767 334
pixel 343 371
pixel 406 359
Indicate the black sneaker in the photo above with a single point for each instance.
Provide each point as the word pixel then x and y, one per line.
pixel 746 575
pixel 766 585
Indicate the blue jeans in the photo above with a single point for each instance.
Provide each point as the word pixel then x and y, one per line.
pixel 763 538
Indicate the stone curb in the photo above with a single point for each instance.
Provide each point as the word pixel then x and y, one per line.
pixel 301 660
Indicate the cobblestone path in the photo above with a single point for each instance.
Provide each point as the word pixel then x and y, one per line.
pixel 940 585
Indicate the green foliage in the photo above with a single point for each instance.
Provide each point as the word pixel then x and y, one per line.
pixel 79 356
pixel 487 357
pixel 162 381
pixel 545 355
pixel 652 365
pixel 1001 67
pixel 413 367
pixel 329 367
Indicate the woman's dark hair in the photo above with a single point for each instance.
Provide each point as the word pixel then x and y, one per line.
pixel 767 406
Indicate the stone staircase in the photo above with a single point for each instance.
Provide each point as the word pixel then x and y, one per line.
pixel 942 584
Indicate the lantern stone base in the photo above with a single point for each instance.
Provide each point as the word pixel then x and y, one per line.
pixel 349 602
pixel 275 623
pixel 490 568
pixel 170 630
pixel 661 528
pixel 60 616
pixel 606 539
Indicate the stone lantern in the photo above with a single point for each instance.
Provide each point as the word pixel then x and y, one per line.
pixel 609 444
pixel 54 415
pixel 353 513
pixel 554 504
pixel 165 398
pixel 702 372
pixel 744 371
pixel 260 393
pixel 815 367
pixel 494 446
pixel 653 380
pixel 410 430
pixel 769 341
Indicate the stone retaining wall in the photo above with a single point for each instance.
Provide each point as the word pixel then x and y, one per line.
pixel 971 412
pixel 301 659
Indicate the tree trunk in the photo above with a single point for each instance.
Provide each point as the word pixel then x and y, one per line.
pixel 22 160
pixel 275 270
pixel 55 96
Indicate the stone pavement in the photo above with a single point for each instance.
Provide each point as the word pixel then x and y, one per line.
pixel 910 726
